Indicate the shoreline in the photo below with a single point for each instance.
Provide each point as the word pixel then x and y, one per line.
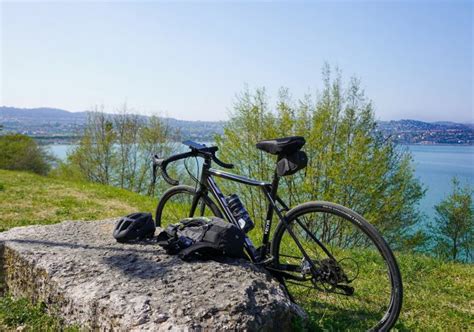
pixel 41 142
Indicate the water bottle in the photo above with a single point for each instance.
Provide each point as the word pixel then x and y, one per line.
pixel 240 213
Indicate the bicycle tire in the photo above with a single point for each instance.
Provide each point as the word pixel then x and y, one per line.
pixel 392 312
pixel 182 190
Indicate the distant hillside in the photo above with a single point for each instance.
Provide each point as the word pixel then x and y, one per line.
pixel 51 125
pixel 61 125
pixel 419 132
pixel 407 125
pixel 41 113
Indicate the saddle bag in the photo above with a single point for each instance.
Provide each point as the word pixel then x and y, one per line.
pixel 291 164
pixel 203 238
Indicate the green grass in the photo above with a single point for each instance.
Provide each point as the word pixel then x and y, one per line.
pixel 438 296
pixel 21 314
pixel 28 199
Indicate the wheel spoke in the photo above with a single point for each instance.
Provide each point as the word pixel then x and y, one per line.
pixel 344 255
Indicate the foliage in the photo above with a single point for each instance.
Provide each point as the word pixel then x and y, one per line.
pixel 453 230
pixel 116 150
pixel 20 152
pixel 94 154
pixel 349 161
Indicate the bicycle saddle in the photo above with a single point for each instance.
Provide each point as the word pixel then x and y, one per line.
pixel 282 146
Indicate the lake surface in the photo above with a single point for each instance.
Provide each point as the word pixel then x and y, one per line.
pixel 434 166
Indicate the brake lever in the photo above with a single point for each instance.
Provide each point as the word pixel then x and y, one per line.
pixel 154 174
pixel 156 163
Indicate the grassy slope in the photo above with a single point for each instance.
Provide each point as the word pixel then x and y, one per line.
pixel 27 199
pixel 30 199
pixel 438 296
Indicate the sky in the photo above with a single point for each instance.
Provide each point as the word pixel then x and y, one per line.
pixel 189 60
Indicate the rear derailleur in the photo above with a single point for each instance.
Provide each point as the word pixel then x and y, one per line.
pixel 328 276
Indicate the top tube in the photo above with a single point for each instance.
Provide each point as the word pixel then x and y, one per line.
pixel 238 178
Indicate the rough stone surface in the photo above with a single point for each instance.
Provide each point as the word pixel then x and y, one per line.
pixel 78 270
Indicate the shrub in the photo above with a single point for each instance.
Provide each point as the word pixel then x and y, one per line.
pixel 453 230
pixel 20 152
pixel 350 163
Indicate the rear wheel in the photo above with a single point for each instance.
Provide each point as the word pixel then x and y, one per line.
pixel 176 202
pixel 340 270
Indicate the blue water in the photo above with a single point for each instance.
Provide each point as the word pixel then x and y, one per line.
pixel 434 167
pixel 60 151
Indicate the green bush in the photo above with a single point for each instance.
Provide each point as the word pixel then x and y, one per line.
pixel 349 162
pixel 67 171
pixel 20 152
pixel 453 230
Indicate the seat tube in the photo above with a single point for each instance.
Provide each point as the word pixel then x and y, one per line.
pixel 268 219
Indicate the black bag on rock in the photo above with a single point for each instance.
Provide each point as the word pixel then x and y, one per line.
pixel 203 238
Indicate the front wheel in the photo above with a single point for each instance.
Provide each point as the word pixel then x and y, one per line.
pixel 176 202
pixel 338 268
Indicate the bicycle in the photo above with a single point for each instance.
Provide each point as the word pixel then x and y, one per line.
pixel 317 250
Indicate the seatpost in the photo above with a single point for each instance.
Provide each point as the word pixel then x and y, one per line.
pixel 275 182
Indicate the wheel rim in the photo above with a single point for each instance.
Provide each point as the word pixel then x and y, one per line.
pixel 362 263
pixel 178 207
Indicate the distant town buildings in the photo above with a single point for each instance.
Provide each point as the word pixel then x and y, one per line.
pixel 53 126
pixel 418 132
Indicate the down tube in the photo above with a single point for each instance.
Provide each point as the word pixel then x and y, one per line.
pixel 251 251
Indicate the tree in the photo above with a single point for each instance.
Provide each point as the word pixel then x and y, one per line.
pixel 349 161
pixel 127 127
pixel 156 137
pixel 116 149
pixel 20 152
pixel 454 224
pixel 94 155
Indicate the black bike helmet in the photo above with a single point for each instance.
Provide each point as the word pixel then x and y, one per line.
pixel 135 226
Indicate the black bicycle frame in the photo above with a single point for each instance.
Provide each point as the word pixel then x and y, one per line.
pixel 270 191
pixel 208 183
